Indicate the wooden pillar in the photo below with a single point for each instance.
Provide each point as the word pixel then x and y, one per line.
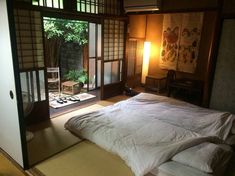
pixel 214 47
pixel 70 5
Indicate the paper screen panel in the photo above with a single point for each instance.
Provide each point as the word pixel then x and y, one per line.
pixel 29 39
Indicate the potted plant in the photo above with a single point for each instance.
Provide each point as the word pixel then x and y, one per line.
pixel 83 77
pixel 79 76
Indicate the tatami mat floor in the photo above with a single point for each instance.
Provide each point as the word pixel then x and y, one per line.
pixel 51 137
pixel 7 168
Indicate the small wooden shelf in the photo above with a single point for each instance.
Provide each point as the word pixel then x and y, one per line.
pixel 70 87
pixel 155 83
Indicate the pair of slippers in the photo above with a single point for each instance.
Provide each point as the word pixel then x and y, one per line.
pixel 74 99
pixel 61 100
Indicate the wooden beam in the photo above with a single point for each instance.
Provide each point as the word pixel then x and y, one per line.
pixel 214 47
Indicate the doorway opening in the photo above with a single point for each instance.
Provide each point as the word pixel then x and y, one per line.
pixel 72 52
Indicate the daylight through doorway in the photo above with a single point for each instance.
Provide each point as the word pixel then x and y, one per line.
pixel 71 56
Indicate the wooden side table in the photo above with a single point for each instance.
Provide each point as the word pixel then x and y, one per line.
pixel 193 89
pixel 155 83
pixel 70 87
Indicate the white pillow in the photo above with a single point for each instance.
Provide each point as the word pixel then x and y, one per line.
pixel 205 157
pixel 230 140
pixel 173 168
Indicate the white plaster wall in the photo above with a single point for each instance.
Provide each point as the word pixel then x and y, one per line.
pixel 10 140
pixel 223 92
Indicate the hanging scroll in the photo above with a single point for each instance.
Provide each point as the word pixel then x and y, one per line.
pixel 180 41
pixel 170 41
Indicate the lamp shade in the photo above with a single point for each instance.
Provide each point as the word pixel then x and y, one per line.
pixel 145 65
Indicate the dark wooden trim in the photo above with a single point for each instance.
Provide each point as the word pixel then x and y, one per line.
pixel 65 13
pixel 212 59
pixel 121 5
pixel 70 5
pixel 45 65
pixel 228 15
pixel 125 76
pixel 38 85
pixel 105 7
pixel 135 61
pixel 86 57
pixel 21 118
pixel 71 16
pixel 85 5
pixel 119 62
pixel 53 3
pixel 58 3
pixel 124 63
pixel 102 65
pixel 113 60
pixel 96 54
pixel 32 69
pixel 92 58
pixel 66 5
pixel 174 11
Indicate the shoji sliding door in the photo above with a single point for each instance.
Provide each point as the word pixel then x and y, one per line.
pixel 113 57
pixel 12 134
pixel 134 62
pixel 95 56
pixel 30 51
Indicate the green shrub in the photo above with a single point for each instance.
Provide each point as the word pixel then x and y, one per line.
pixel 77 76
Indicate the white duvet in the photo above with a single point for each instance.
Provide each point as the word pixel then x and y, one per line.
pixel 147 130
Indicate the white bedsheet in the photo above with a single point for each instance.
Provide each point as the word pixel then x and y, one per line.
pixel 147 130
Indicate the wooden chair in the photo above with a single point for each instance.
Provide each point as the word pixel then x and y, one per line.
pixel 53 76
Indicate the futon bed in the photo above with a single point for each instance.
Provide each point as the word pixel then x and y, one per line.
pixel 160 135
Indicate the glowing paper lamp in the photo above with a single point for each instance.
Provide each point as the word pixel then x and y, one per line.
pixel 146 56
